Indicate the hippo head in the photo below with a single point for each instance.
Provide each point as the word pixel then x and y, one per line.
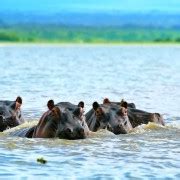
pixel 72 123
pixel 8 116
pixel 65 121
pixel 110 116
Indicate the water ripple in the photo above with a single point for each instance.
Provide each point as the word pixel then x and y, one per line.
pixel 146 75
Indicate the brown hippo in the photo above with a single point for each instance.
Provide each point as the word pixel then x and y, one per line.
pixel 65 121
pixel 108 116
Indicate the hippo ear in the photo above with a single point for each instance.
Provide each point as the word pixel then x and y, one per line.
pixel 122 111
pixel 95 105
pixel 122 100
pixel 124 104
pixel 106 101
pixel 81 104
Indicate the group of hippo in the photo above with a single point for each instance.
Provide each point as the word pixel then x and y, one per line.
pixel 68 121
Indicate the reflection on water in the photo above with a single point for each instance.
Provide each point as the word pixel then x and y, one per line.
pixel 146 75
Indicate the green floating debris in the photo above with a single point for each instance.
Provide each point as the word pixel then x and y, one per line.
pixel 41 160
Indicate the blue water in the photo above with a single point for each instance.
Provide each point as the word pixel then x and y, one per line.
pixel 149 76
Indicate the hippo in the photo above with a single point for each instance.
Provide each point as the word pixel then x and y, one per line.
pixel 138 117
pixel 108 116
pixel 65 121
pixel 8 116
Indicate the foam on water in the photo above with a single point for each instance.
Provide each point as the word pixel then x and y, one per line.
pixel 29 124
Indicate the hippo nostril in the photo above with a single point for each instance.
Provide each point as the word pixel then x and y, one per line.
pixel 119 126
pixel 68 130
pixel 109 128
pixel 81 131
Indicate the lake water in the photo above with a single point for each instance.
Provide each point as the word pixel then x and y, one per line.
pixel 149 76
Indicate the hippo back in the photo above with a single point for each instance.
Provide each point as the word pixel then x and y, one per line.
pixel 24 132
pixel 138 117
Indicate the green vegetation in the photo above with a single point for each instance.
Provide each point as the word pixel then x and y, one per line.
pixel 63 34
pixel 41 160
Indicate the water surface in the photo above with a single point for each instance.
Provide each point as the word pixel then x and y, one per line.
pixel 149 76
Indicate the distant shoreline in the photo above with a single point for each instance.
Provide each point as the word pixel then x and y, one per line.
pixel 87 35
pixel 88 44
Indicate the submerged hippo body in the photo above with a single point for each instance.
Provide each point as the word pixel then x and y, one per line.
pixel 108 116
pixel 66 121
pixel 8 117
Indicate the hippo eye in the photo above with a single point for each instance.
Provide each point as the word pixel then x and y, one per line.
pixel 56 112
pixel 70 109
pixel 53 112
pixel 119 113
pixel 113 108
pixel 122 112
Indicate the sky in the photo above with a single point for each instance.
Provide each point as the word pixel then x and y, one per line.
pixel 171 6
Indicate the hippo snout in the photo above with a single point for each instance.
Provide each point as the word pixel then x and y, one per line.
pixel 65 133
pixel 68 131
pixel 81 132
pixel 119 129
